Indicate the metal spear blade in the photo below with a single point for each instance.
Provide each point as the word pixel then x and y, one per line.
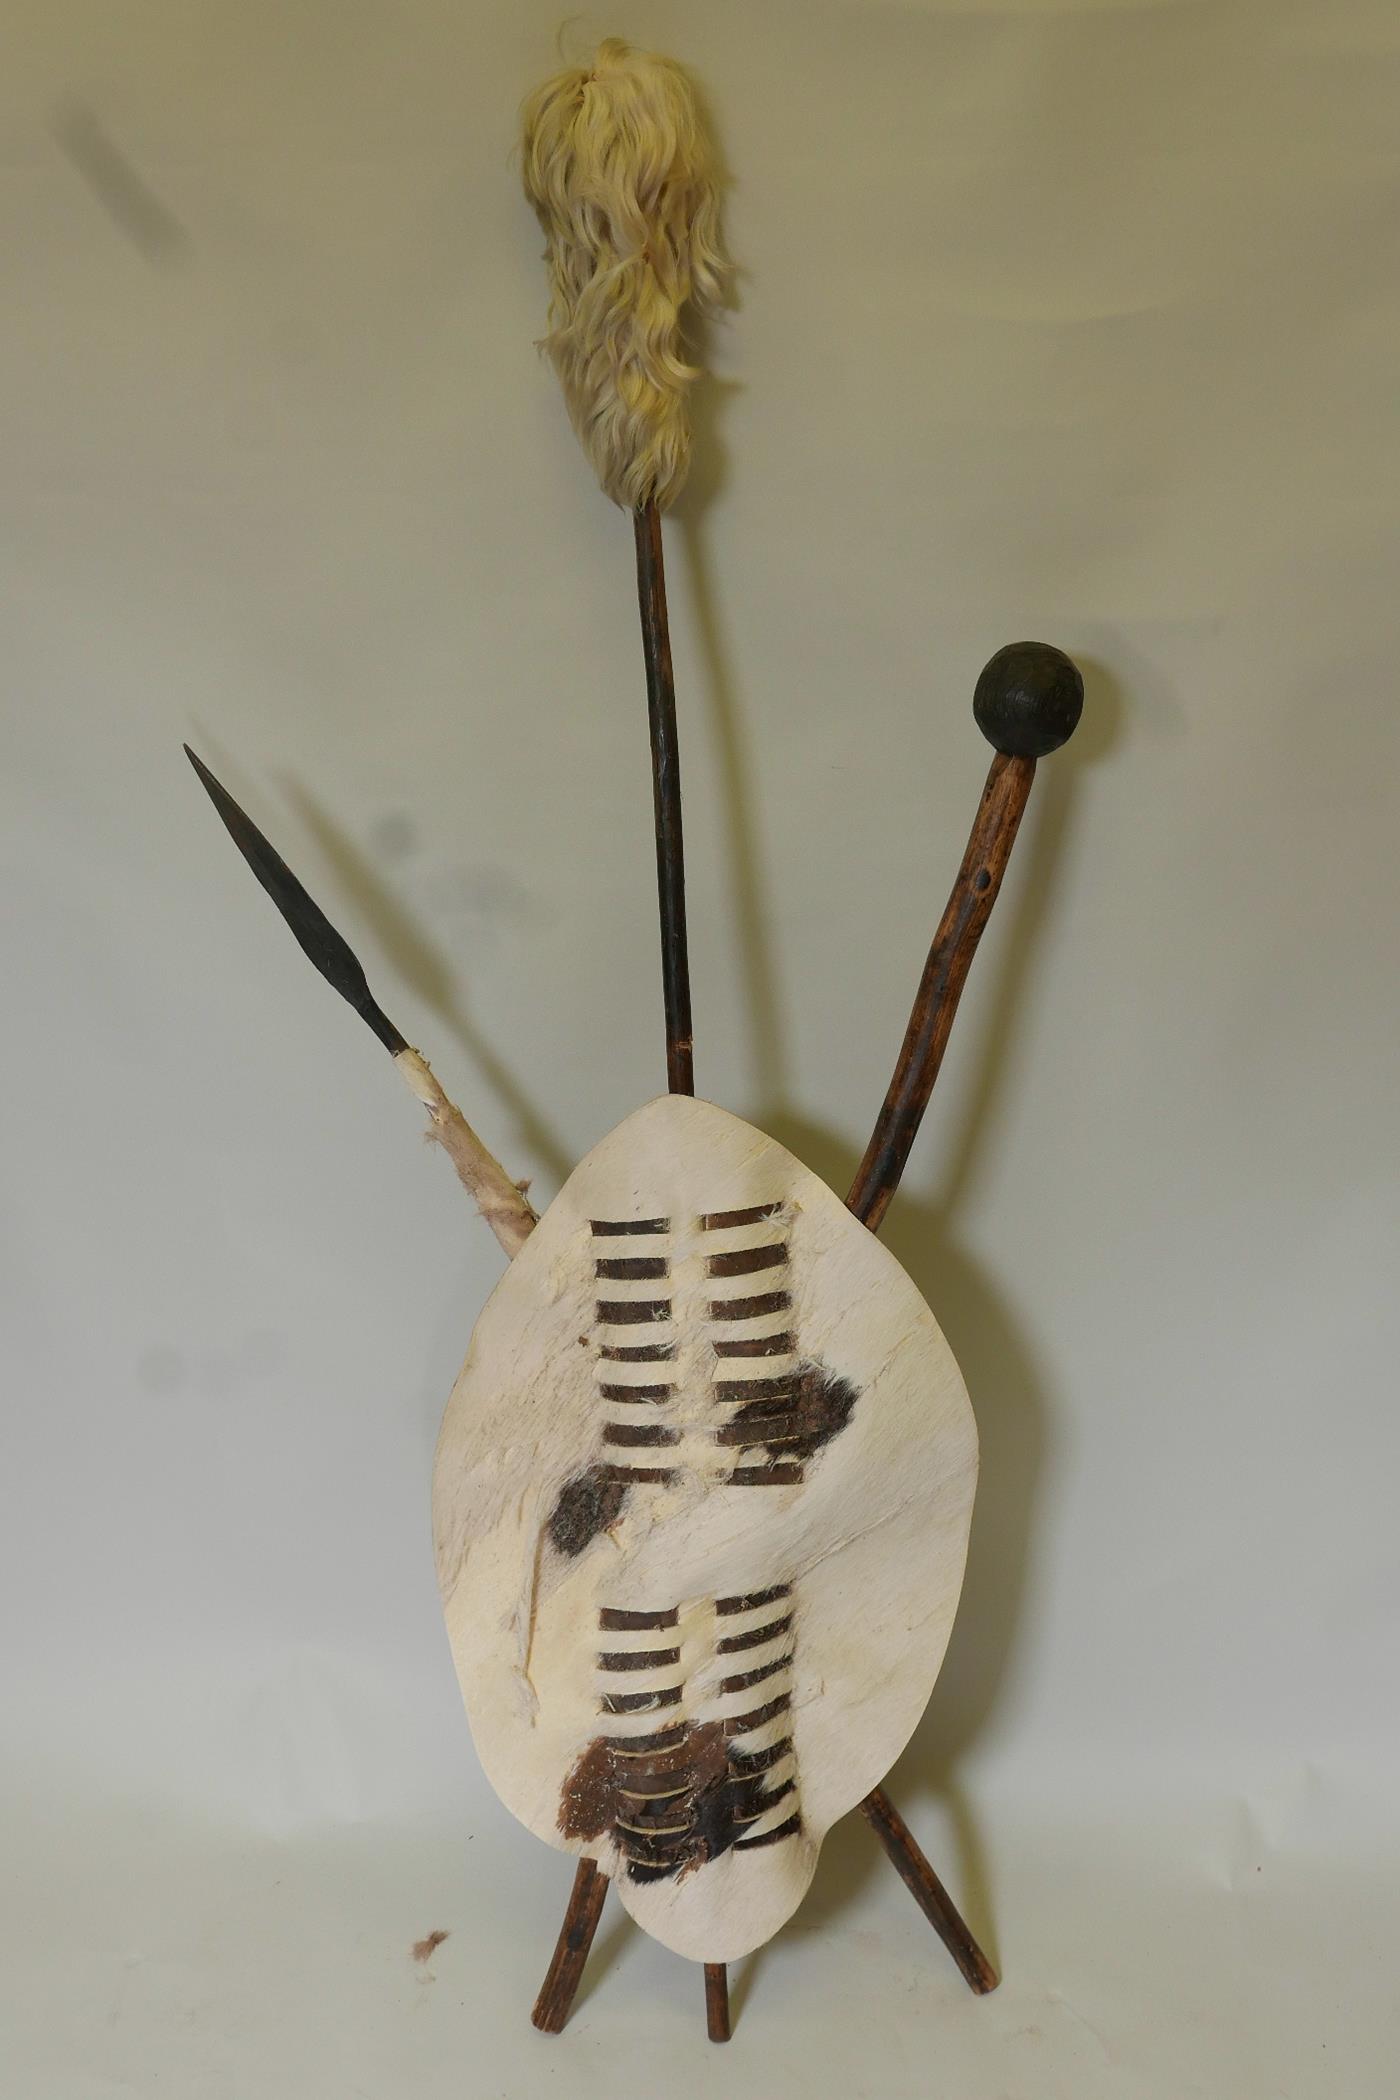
pixel 315 935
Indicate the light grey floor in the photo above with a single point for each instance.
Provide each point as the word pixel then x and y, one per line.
pixel 146 1956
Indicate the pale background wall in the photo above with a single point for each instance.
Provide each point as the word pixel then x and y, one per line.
pixel 1071 321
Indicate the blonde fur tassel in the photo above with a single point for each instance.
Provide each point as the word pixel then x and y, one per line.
pixel 618 167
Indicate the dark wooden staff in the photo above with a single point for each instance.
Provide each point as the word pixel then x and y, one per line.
pixel 1027 703
pixel 585 1904
pixel 666 798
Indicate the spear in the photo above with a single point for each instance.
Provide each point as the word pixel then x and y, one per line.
pixel 502 1203
pixel 621 175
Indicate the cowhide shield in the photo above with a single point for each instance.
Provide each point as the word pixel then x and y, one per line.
pixel 701 1506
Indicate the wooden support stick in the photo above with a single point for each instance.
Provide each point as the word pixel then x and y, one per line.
pixel 666 798
pixel 717 2001
pixel 927 1890
pixel 502 1203
pixel 565 1971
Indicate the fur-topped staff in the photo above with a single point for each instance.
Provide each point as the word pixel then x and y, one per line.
pixel 619 169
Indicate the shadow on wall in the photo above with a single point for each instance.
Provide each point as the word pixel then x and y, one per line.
pixel 422 964
pixel 123 192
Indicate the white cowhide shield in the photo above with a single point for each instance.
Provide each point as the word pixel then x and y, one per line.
pixel 701 1506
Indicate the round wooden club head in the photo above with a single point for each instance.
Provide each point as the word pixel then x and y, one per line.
pixel 701 1504
pixel 1028 699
